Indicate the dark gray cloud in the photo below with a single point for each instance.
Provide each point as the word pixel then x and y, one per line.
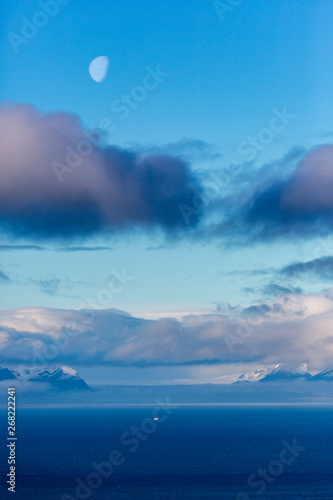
pixel 300 206
pixel 57 181
pixel 275 289
pixel 318 268
pixel 270 204
pixel 60 182
pixel 262 310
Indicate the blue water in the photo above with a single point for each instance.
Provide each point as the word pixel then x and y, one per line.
pixel 200 453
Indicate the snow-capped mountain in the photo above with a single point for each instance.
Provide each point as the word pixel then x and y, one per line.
pixel 6 374
pixel 252 376
pixel 60 378
pixel 284 373
pixel 326 375
pixel 281 372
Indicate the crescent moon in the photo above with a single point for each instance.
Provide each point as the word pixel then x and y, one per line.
pixel 98 68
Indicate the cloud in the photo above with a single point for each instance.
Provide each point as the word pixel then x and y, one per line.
pixel 275 289
pixel 9 248
pixel 190 150
pixel 292 329
pixel 157 248
pixel 38 248
pixel 246 272
pixel 49 286
pixel 55 183
pixel 4 278
pixel 53 285
pixel 104 189
pixel 318 268
pixel 81 249
pixel 293 202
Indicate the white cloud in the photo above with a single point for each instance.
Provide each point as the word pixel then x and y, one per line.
pixel 290 329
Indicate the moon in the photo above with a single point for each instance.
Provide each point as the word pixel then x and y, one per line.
pixel 98 68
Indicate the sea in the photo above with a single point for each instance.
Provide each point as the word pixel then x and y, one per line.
pixel 189 452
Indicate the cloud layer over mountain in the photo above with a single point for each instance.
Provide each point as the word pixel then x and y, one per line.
pixel 291 329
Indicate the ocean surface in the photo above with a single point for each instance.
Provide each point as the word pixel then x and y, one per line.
pixel 193 452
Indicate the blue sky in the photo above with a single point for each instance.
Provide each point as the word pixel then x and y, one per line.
pixel 225 77
pixel 224 81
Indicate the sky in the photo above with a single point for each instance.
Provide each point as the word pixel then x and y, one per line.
pixel 181 201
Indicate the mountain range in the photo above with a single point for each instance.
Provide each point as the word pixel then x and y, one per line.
pixel 59 377
pixel 324 375
pixel 65 379
pixel 285 373
pixel 6 374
